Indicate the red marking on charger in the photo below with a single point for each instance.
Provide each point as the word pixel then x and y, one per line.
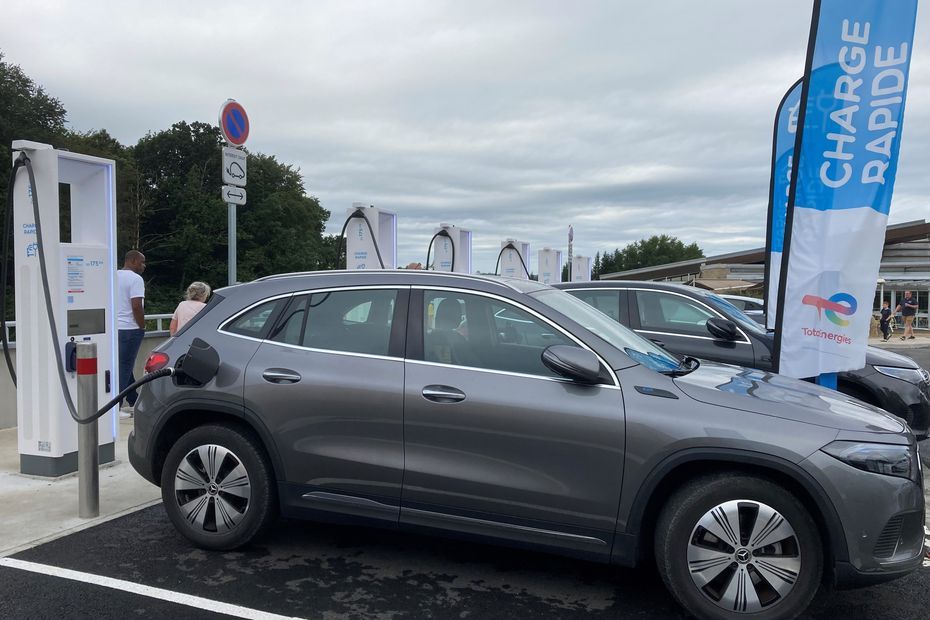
pixel 87 366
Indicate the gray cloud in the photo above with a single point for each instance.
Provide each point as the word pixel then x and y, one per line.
pixel 513 119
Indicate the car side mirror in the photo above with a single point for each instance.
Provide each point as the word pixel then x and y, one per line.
pixel 722 328
pixel 573 363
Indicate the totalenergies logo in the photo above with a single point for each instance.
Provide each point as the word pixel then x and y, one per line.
pixel 841 303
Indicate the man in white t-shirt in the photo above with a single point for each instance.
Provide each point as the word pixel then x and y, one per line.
pixel 130 321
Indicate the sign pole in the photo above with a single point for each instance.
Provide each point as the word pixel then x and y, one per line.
pixel 231 259
pixel 234 125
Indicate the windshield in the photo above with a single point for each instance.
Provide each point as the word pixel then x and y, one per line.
pixel 638 348
pixel 735 314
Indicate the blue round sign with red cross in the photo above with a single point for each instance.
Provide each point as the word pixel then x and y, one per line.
pixel 234 122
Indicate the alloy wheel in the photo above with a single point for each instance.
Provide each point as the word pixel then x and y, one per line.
pixel 744 556
pixel 212 489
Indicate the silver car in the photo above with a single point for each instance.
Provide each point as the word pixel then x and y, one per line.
pixel 512 412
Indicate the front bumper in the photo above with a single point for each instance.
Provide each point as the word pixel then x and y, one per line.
pixel 882 519
pixel 906 400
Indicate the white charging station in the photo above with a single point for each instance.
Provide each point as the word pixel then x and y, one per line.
pixel 581 269
pixel 360 248
pixel 81 275
pixel 456 254
pixel 550 266
pixel 511 265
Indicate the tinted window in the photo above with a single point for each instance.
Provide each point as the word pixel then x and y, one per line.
pixel 752 305
pixel 481 332
pixel 252 322
pixel 347 321
pixel 607 302
pixel 666 312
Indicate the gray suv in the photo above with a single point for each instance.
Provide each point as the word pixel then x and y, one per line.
pixel 509 411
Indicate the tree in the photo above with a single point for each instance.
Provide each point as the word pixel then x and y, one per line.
pixel 656 250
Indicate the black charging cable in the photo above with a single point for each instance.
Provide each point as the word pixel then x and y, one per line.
pixel 510 246
pixel 442 233
pixel 359 212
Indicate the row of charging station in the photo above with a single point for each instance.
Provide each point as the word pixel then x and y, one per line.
pixel 371 243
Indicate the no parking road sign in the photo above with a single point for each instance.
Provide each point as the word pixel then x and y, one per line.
pixel 234 122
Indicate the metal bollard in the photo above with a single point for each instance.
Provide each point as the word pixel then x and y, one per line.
pixel 88 457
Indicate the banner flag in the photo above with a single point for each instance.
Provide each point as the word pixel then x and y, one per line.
pixel 786 128
pixel 846 156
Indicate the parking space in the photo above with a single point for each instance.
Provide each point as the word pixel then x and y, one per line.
pixel 313 570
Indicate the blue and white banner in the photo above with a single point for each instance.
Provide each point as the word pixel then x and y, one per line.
pixel 786 129
pixel 852 108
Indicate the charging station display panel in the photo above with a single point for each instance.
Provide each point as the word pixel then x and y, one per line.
pixel 550 266
pixel 360 241
pixel 513 262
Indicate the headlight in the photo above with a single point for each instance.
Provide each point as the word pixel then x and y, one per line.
pixel 911 375
pixel 879 458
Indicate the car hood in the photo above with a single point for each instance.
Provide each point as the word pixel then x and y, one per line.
pixel 765 393
pixel 880 357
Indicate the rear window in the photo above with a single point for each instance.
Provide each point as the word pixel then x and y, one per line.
pixel 254 321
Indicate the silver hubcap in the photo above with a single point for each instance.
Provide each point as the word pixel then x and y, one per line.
pixel 212 489
pixel 744 556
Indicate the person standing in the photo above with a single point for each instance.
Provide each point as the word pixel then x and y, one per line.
pixel 884 322
pixel 197 295
pixel 908 309
pixel 130 321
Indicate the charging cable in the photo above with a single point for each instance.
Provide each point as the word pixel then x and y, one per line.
pixel 510 246
pixel 5 260
pixel 442 233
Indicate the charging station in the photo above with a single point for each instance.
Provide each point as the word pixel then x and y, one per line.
pixel 581 269
pixel 550 266
pixel 80 257
pixel 513 257
pixel 361 249
pixel 452 249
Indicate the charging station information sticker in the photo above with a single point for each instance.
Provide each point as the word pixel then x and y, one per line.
pixel 75 274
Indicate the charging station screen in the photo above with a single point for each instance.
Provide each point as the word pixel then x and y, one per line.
pixel 85 322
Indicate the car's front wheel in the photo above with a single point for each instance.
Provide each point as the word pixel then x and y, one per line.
pixel 218 487
pixel 736 546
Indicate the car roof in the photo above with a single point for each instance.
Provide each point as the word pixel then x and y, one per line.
pixel 627 284
pixel 377 277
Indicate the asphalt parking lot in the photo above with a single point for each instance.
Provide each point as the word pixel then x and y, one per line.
pixel 312 570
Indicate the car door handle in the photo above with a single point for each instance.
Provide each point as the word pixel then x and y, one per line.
pixel 443 394
pixel 658 342
pixel 280 375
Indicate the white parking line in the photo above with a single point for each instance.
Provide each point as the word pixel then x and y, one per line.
pixel 142 590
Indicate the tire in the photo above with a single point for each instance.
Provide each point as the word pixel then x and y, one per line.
pixel 217 487
pixel 773 571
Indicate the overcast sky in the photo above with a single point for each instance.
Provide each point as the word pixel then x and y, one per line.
pixel 513 119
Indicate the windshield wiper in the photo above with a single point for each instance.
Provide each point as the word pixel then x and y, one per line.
pixel 688 365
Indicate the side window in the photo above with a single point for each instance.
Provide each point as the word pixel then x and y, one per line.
pixel 290 327
pixel 347 321
pixel 252 322
pixel 664 312
pixel 739 303
pixel 607 302
pixel 752 305
pixel 481 332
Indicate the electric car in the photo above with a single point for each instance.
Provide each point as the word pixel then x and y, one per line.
pixel 508 411
pixel 691 321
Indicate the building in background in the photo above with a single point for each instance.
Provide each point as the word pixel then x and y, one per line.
pixel 905 266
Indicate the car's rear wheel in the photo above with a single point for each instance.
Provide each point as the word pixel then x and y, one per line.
pixel 217 487
pixel 737 546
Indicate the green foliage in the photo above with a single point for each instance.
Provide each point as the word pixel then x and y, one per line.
pixel 656 250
